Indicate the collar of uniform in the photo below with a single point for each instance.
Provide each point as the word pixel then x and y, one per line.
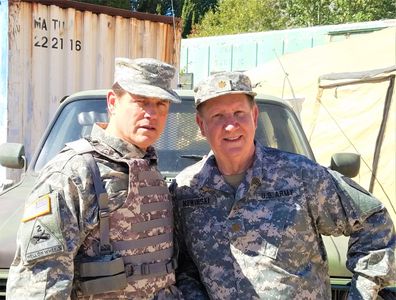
pixel 199 174
pixel 209 172
pixel 210 176
pixel 125 149
pixel 255 174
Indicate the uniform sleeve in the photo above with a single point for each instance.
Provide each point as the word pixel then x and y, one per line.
pixel 346 208
pixel 55 222
pixel 187 274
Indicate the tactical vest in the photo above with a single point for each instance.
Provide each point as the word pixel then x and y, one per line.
pixel 133 245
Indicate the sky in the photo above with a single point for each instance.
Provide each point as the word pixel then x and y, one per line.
pixel 3 74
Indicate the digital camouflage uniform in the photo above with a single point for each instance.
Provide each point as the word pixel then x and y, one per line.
pixel 60 224
pixel 263 241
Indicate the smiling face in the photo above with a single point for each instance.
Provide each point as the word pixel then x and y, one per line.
pixel 229 123
pixel 135 119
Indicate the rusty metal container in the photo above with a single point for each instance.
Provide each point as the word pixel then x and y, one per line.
pixel 54 48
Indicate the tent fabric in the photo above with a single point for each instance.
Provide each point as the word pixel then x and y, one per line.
pixel 347 103
pixel 357 75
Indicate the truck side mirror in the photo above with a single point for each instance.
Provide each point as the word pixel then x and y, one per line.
pixel 12 155
pixel 347 164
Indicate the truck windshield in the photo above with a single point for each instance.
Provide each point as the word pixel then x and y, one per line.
pixel 181 144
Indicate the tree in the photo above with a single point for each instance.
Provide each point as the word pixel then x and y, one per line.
pixel 163 7
pixel 302 13
pixel 215 17
pixel 235 16
pixel 124 4
pixel 231 16
pixel 191 11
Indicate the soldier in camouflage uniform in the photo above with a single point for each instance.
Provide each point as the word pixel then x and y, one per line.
pixel 75 243
pixel 251 217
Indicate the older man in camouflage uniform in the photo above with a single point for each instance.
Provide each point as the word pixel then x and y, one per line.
pixel 252 217
pixel 76 243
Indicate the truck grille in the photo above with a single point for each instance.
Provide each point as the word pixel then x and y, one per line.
pixel 339 294
pixel 3 281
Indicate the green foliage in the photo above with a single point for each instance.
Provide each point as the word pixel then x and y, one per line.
pixel 124 4
pixel 191 11
pixel 158 7
pixel 216 17
pixel 302 13
pixel 235 16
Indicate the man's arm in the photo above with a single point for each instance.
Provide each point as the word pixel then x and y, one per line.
pixel 371 251
pixel 54 224
pixel 43 266
pixel 187 277
pixel 341 207
pixel 187 274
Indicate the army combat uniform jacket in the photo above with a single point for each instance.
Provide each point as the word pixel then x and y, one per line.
pixel 61 229
pixel 263 241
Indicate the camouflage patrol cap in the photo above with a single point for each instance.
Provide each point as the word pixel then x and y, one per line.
pixel 222 83
pixel 147 77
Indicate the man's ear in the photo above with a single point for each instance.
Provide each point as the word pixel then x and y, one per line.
pixel 199 122
pixel 111 101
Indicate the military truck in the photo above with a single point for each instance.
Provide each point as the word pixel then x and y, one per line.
pixel 179 146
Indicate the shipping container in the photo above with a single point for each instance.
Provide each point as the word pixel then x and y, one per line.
pixel 55 48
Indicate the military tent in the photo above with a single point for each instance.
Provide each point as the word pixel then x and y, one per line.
pixel 344 95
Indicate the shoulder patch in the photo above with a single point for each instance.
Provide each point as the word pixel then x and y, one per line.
pixel 42 242
pixel 353 184
pixel 355 195
pixel 37 208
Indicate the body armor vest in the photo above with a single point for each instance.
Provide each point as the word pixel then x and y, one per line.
pixel 130 253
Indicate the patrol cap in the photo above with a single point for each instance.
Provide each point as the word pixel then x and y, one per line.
pixel 147 77
pixel 222 83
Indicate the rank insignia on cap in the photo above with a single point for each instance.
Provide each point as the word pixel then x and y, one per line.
pixel 221 84
pixel 38 207
pixel 224 85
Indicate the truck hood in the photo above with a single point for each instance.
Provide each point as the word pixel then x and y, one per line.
pixel 12 203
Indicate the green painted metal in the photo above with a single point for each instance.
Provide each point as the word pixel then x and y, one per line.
pixel 241 52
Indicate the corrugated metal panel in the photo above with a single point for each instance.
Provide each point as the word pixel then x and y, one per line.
pixel 65 47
